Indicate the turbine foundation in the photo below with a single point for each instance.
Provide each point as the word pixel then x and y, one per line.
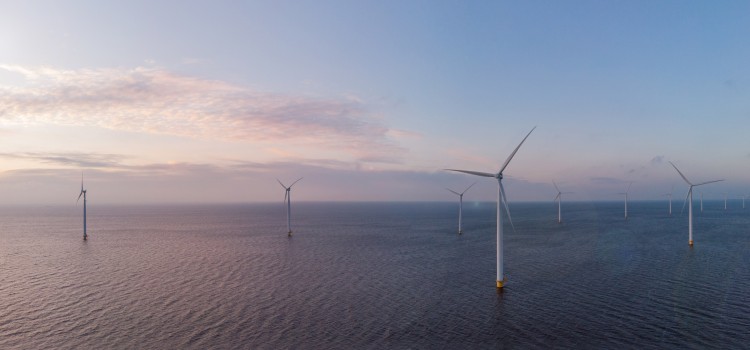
pixel 690 242
pixel 501 284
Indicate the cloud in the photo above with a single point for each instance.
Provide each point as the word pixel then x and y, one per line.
pixel 80 160
pixel 657 160
pixel 153 100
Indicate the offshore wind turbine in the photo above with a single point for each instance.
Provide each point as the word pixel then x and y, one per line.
pixel 670 199
pixel 690 195
pixel 701 202
pixel 626 199
pixel 288 201
pixel 558 198
pixel 83 193
pixel 501 200
pixel 460 205
pixel 725 200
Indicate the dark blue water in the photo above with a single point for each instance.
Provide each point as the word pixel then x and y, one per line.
pixel 373 275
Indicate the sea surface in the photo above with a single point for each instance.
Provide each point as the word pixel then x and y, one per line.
pixel 373 275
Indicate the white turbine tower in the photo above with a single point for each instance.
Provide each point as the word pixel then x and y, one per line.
pixel 558 198
pixel 690 196
pixel 701 202
pixel 626 199
pixel 743 201
pixel 83 193
pixel 460 205
pixel 725 200
pixel 501 200
pixel 288 201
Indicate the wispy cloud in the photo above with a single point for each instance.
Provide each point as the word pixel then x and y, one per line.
pixel 84 160
pixel 153 100
pixel 657 160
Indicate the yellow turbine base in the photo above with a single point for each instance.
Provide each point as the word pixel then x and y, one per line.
pixel 690 243
pixel 502 283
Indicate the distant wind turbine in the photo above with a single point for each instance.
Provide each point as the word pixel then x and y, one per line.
pixel 701 202
pixel 460 205
pixel 501 200
pixel 626 199
pixel 83 193
pixel 725 200
pixel 288 201
pixel 670 199
pixel 558 198
pixel 690 195
pixel 743 201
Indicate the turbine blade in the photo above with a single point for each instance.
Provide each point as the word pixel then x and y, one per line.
pixel 686 198
pixel 707 182
pixel 290 186
pixel 507 208
pixel 681 174
pixel 454 192
pixel 470 186
pixel 558 196
pixel 286 195
pixel 514 152
pixel 554 184
pixel 628 190
pixel 282 185
pixel 79 196
pixel 477 173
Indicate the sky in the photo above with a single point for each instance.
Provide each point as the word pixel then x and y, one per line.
pixel 203 102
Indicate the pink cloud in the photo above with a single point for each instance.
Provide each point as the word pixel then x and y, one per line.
pixel 151 100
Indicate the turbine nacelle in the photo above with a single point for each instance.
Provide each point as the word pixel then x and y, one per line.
pixel 559 193
pixel 462 193
pixel 83 191
pixel 287 189
pixel 690 185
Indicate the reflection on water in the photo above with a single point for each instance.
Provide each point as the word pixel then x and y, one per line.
pixel 371 275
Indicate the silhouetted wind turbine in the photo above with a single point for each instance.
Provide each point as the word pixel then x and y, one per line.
pixel 288 200
pixel 558 198
pixel 626 199
pixel 83 193
pixel 501 200
pixel 460 205
pixel 690 195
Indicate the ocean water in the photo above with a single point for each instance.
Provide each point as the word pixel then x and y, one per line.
pixel 373 275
